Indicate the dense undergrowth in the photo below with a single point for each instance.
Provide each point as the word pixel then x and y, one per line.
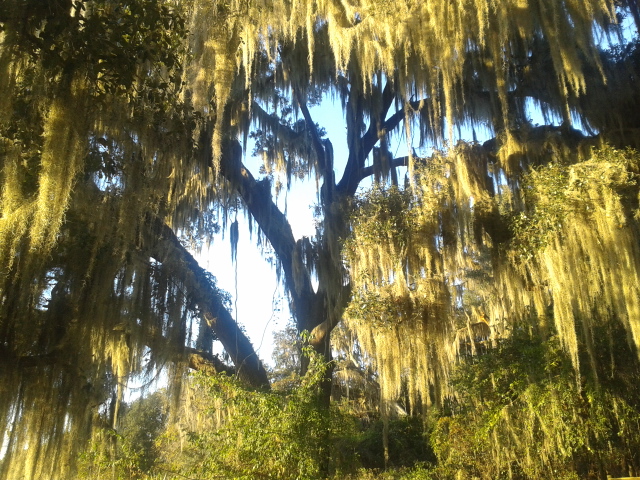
pixel 517 411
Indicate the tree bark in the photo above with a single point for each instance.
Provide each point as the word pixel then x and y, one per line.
pixel 309 308
pixel 275 226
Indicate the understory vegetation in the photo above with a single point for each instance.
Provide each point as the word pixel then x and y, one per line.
pixel 515 411
pixel 517 404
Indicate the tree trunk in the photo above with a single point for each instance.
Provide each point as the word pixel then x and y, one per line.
pixel 317 312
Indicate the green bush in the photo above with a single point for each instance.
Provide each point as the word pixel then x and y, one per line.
pixel 408 444
pixel 521 412
pixel 268 434
pixel 131 452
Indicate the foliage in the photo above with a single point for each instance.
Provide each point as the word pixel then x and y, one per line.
pixel 518 411
pixel 121 122
pixel 131 452
pixel 246 434
pixel 555 190
pixel 520 404
pixel 141 424
pixel 287 352
pixel 408 444
pixel 93 117
pixel 515 411
pixel 417 472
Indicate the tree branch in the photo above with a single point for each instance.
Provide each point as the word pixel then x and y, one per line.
pixel 285 133
pixel 276 228
pixel 352 174
pixel 395 163
pixel 323 161
pixel 167 249
pixel 206 362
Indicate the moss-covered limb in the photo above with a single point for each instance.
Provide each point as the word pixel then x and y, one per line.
pixel 277 230
pixel 285 133
pixel 395 163
pixel 167 249
pixel 574 139
pixel 421 45
pixel 322 331
pixel 357 153
pixel 615 127
pixel 325 163
pixel 360 147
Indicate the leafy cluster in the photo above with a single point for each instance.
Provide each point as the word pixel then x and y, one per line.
pixel 132 451
pixel 544 188
pixel 116 47
pixel 120 126
pixel 552 193
pixel 258 434
pixel 516 411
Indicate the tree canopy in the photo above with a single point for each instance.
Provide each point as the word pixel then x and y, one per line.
pixel 122 134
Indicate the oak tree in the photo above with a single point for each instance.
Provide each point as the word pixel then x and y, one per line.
pixel 123 132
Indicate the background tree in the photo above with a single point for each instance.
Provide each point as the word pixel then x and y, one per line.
pixel 133 451
pixel 287 353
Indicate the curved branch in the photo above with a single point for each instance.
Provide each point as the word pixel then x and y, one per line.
pixel 274 225
pixel 353 171
pixel 323 162
pixel 206 362
pixel 285 133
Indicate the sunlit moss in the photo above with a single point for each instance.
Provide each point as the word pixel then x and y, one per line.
pixel 430 262
pixel 519 406
pixel 87 160
pixel 113 144
pixel 425 48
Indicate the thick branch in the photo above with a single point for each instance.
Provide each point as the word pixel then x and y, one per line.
pixel 571 136
pixel 206 362
pixel 395 163
pixel 168 250
pixel 322 331
pixel 164 246
pixel 323 162
pixel 285 133
pixel 274 225
pixel 354 143
pixel 353 171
